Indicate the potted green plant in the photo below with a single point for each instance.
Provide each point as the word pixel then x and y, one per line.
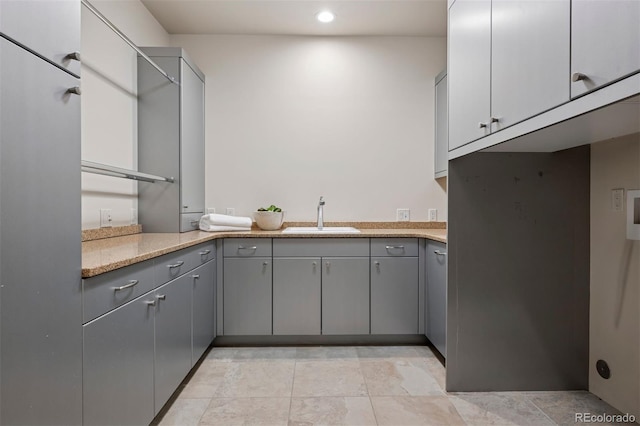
pixel 269 219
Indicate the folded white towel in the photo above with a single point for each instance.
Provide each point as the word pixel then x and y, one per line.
pixel 226 220
pixel 221 228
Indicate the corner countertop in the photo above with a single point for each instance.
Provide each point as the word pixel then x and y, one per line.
pixel 107 254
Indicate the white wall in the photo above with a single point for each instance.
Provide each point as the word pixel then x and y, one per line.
pixel 109 128
pixel 291 118
pixel 615 277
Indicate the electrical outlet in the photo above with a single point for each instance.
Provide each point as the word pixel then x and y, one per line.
pixel 211 210
pixel 617 199
pixel 402 215
pixel 134 216
pixel 231 211
pixel 433 215
pixel 105 218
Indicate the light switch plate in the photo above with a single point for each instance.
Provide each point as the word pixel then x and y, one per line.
pixel 433 215
pixel 105 218
pixel 617 199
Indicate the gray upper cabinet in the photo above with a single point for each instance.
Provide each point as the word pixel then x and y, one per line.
pixel 247 296
pixel 345 295
pixel 436 318
pixel 605 42
pixel 394 295
pixel 508 61
pixel 171 141
pixel 469 71
pixel 40 251
pixel 441 143
pixel 50 28
pixel 172 359
pixel 296 295
pixel 118 366
pixel 529 59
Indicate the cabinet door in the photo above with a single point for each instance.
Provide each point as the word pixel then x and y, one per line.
pixel 191 140
pixel 296 295
pixel 529 58
pixel 394 295
pixel 437 295
pixel 172 337
pixel 345 295
pixel 247 296
pixel 118 366
pixel 203 282
pixel 40 245
pixel 605 41
pixel 469 71
pixel 49 27
pixel 442 129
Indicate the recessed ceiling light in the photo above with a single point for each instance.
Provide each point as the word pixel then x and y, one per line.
pixel 325 16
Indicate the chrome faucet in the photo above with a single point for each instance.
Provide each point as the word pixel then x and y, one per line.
pixel 320 218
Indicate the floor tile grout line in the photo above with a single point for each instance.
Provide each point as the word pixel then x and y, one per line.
pixel 540 409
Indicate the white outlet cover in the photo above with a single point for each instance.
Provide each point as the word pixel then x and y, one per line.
pixel 633 215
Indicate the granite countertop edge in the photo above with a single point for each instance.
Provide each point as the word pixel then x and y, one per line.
pixel 109 254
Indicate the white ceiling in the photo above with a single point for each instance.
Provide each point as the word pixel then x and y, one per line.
pixel 297 17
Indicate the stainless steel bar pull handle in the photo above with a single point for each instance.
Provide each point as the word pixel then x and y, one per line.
pixel 394 247
pixel 265 263
pixel 495 119
pixel 73 56
pixel 161 297
pixel 377 265
pixel 205 252
pixel 150 302
pixel 126 286
pixel 195 277
pixel 440 253
pixel 577 76
pixel 247 248
pixel 75 90
pixel 176 265
pixel 483 125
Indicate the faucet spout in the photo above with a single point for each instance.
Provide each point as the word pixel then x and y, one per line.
pixel 320 214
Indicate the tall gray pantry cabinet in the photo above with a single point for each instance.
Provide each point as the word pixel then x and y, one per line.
pixel 40 252
pixel 171 141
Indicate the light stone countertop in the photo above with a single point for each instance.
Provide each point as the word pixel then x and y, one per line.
pixel 108 254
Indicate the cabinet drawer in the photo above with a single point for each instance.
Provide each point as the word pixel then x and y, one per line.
pixel 394 247
pixel 173 265
pixel 105 292
pixel 316 247
pixel 247 247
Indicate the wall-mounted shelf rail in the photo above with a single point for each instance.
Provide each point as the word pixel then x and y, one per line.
pixel 127 40
pixel 104 169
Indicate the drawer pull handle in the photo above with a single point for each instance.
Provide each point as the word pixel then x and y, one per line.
pixel 126 286
pixel 440 253
pixel 162 297
pixel 578 76
pixel 394 247
pixel 377 265
pixel 195 277
pixel 265 263
pixel 483 125
pixel 178 264
pixel 205 252
pixel 150 302
pixel 254 248
pixel 73 56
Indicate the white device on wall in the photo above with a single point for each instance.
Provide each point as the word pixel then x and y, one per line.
pixel 633 214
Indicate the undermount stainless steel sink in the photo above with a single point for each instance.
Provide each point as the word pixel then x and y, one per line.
pixel 324 230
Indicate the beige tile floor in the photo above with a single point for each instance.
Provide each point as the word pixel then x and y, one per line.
pixel 365 385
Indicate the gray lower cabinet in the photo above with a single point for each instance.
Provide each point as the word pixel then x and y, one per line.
pixel 118 372
pixel 247 296
pixel 296 295
pixel 204 331
pixel 436 318
pixel 394 295
pixel 172 337
pixel 345 295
